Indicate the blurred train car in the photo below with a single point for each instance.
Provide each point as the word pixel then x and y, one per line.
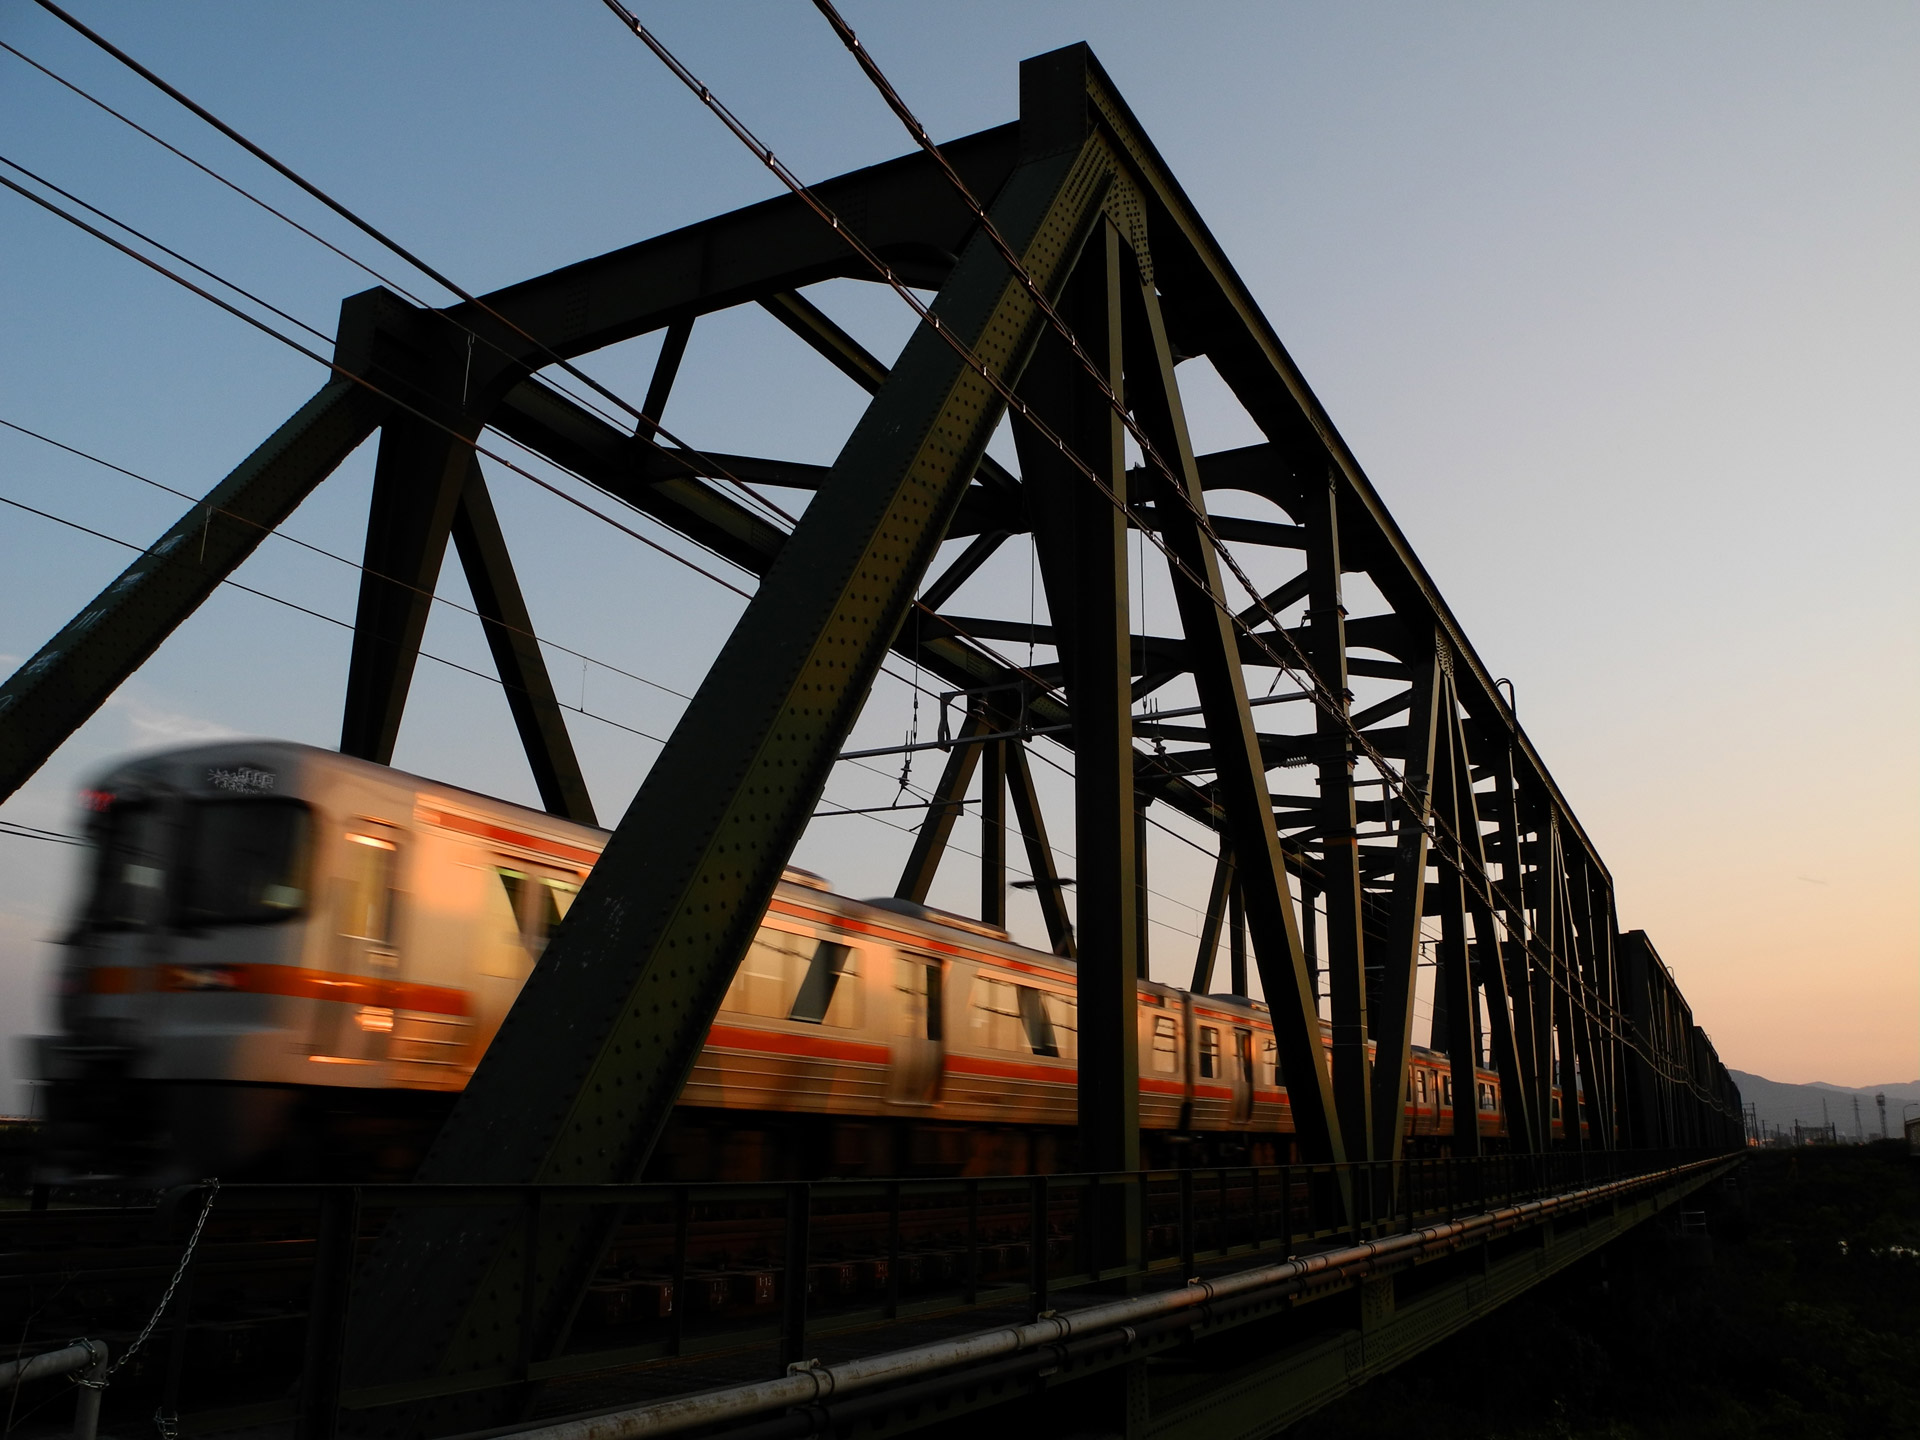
pixel 286 962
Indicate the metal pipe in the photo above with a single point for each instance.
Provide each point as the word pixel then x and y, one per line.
pixel 812 1383
pixel 87 1355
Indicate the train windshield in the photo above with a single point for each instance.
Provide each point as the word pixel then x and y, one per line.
pixel 130 878
pixel 246 862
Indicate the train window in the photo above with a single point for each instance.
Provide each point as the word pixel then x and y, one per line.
pixel 1446 1090
pixel 1421 1077
pixel 366 905
pixel 1209 1053
pixel 823 999
pixel 539 904
pixel 1037 1023
pixel 1064 1014
pixel 131 873
pixel 1243 1053
pixel 1486 1097
pixel 917 1012
pixel 770 974
pixel 246 861
pixel 1166 1045
pixel 997 1019
pixel 551 902
pixel 1271 1066
pixel 1556 1107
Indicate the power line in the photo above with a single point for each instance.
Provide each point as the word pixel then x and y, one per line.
pixel 648 426
pixel 329 619
pixel 34 832
pixel 346 374
pixel 430 595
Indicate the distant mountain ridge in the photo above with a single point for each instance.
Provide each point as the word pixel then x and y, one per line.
pixel 1779 1104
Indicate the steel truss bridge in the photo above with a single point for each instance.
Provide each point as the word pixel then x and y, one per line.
pixel 1228 1302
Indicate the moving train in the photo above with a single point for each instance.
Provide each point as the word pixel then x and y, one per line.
pixel 286 963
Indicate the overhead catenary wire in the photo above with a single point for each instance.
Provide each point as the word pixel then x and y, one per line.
pixel 345 374
pixel 233 584
pixel 348 561
pixel 647 427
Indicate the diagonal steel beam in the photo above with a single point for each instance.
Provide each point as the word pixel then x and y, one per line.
pixel 585 1071
pixel 1211 923
pixel 417 483
pixel 1240 770
pixel 1048 888
pixel 1400 955
pixel 74 673
pixel 516 653
pixel 1456 998
pixel 1490 952
pixel 943 808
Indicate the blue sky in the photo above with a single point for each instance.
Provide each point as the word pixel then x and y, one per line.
pixel 1617 307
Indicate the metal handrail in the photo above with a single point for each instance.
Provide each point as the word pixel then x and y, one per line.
pixel 75 1356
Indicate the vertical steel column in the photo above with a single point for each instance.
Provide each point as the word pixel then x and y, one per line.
pixel 1340 845
pixel 1519 967
pixel 1310 936
pixel 1141 893
pixel 993 830
pixel 1456 1004
pixel 1237 940
pixel 1102 675
pixel 1400 960
pixel 1588 1016
pixel 1560 950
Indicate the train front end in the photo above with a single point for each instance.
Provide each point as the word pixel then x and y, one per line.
pixel 170 1032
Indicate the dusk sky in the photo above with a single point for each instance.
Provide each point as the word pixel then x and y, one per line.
pixel 1618 307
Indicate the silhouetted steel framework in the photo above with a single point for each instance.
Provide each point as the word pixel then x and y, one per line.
pixel 1452 818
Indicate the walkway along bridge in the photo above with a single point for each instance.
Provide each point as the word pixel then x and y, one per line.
pixel 1225 1301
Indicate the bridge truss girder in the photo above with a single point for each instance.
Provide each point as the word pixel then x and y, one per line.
pixel 1469 836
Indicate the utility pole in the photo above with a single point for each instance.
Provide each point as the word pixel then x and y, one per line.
pixel 1881 1101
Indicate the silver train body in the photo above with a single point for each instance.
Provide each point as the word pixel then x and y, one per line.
pixel 288 962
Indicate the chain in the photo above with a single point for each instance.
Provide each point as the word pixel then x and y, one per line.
pixel 179 1273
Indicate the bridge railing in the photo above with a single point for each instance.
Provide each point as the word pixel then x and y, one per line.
pixel 710 1268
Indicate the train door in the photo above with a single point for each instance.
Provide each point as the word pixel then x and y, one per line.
pixel 355 1018
pixel 1240 1075
pixel 918 1040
